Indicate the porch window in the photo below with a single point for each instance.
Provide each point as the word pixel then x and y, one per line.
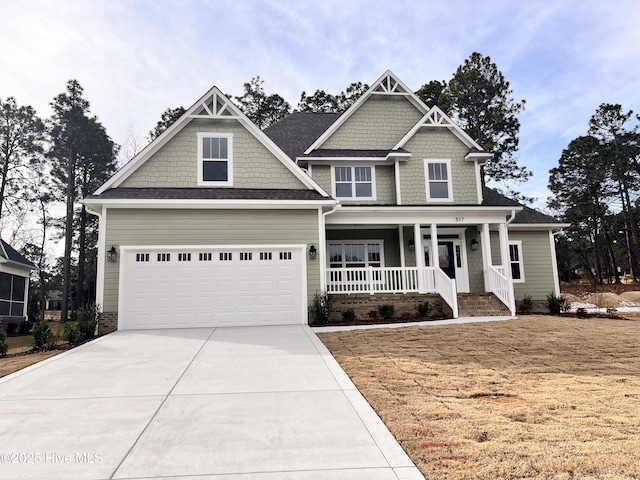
pixel 353 182
pixel 12 290
pixel 438 180
pixel 355 254
pixel 517 265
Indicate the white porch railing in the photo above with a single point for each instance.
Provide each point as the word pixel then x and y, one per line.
pixel 446 288
pixel 373 280
pixel 501 287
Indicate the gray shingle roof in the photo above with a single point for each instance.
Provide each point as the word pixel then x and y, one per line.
pixel 528 215
pixel 205 194
pixel 297 132
pixel 15 256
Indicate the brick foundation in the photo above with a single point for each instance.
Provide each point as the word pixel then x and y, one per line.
pixel 107 322
pixel 405 304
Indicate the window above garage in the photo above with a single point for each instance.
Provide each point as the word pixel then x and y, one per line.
pixel 215 159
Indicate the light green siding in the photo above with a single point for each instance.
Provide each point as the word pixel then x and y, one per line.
pixel 208 227
pixel 385 184
pixel 538 266
pixel 438 143
pixel 474 261
pixel 388 236
pixel 176 163
pixel 378 124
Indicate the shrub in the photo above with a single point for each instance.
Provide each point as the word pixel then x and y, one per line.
pixel 42 335
pixel 555 304
pixel 372 314
pixel 423 309
pixel 87 318
pixel 349 315
pixel 24 327
pixel 320 308
pixel 11 329
pixel 582 313
pixel 526 304
pixel 4 348
pixel 72 333
pixel 386 311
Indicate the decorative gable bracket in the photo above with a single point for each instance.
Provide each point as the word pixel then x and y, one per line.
pixel 390 85
pixel 215 106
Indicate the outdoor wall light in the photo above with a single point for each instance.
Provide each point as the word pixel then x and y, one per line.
pixel 474 245
pixel 412 245
pixel 112 254
pixel 312 252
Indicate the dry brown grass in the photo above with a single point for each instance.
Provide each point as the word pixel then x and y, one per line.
pixel 538 397
pixel 604 299
pixel 633 297
pixel 13 364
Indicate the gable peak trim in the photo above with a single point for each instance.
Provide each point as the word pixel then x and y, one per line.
pixel 216 105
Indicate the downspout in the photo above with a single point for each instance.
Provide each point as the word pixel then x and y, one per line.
pixel 99 260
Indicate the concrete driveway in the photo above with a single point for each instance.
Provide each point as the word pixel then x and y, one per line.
pixel 247 403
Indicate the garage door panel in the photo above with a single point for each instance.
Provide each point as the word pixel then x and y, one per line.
pixel 209 286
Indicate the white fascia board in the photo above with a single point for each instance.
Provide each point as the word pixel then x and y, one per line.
pixel 390 158
pixel 213 204
pixel 451 215
pixel 419 104
pixel 538 226
pixel 480 157
pixel 15 268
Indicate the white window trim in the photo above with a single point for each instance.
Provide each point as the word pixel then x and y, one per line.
pixel 229 137
pixel 353 182
pixel 342 243
pixel 518 244
pixel 447 161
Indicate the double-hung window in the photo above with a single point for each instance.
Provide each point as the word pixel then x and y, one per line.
pixel 215 159
pixel 438 180
pixel 353 182
pixel 515 259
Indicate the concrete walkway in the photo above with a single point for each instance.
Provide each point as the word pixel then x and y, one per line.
pixel 248 403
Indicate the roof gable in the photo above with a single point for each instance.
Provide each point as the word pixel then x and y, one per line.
pixel 387 85
pixel 435 117
pixel 12 255
pixel 214 105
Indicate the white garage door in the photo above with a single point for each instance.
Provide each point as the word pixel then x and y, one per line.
pixel 183 287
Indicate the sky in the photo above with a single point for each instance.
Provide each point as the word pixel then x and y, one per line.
pixel 135 58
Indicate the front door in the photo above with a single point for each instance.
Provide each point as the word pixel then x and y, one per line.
pixel 451 258
pixel 445 258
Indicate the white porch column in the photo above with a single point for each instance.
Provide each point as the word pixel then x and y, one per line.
pixel 485 243
pixel 417 240
pixel 403 262
pixel 433 254
pixel 504 249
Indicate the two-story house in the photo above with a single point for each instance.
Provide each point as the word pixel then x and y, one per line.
pixel 219 223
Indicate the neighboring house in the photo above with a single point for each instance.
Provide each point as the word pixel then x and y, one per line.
pixel 219 223
pixel 14 284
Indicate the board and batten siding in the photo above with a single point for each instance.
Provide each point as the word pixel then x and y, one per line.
pixel 132 227
pixel 538 263
pixel 176 163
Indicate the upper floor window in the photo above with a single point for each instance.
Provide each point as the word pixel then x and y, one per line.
pixel 517 265
pixel 215 159
pixel 353 182
pixel 438 180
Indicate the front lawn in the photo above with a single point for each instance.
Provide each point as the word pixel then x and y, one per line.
pixel 537 397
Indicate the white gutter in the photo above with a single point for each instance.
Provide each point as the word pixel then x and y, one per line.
pixel 101 256
pixel 322 235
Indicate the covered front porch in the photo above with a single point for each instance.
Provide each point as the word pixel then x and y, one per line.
pixel 427 250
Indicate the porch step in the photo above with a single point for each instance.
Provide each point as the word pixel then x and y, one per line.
pixel 483 304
